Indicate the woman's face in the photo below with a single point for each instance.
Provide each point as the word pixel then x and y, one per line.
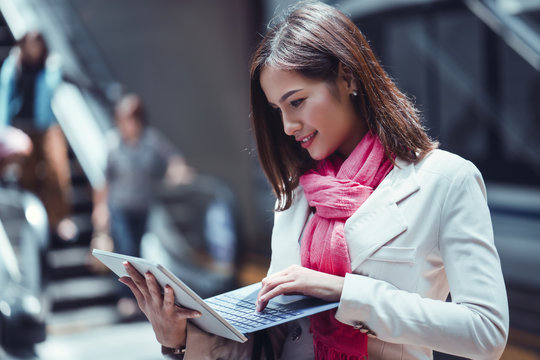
pixel 320 117
pixel 33 49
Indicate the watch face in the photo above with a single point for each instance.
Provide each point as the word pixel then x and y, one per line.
pixel 179 351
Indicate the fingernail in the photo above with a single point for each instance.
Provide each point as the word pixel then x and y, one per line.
pixel 197 315
pixel 167 289
pixel 147 275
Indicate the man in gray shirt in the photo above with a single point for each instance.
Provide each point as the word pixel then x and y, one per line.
pixel 138 157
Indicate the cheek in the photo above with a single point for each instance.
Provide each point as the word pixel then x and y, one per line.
pixel 319 114
pixel 326 117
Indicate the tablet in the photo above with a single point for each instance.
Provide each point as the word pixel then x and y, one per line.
pixel 232 314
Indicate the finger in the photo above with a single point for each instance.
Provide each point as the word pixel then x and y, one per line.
pixel 275 275
pixel 187 313
pixel 170 307
pixel 282 289
pixel 154 289
pixel 134 289
pixel 287 271
pixel 271 290
pixel 168 300
pixel 137 278
pixel 286 275
pixel 270 283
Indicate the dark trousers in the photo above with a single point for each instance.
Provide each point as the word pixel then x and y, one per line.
pixel 127 229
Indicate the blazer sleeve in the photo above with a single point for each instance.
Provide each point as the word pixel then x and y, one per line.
pixel 475 323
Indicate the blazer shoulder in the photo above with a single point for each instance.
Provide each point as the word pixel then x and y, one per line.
pixel 445 164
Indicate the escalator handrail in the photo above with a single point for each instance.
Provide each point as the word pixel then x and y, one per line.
pixel 516 33
pixel 84 135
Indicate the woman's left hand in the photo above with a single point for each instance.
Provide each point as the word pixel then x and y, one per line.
pixel 300 280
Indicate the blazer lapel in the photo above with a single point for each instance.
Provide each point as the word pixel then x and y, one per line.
pixel 375 223
pixel 379 219
pixel 286 235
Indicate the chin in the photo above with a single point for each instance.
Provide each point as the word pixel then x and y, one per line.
pixel 315 155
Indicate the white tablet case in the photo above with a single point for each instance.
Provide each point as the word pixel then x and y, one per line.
pixel 210 321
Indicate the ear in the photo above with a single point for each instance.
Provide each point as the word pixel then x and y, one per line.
pixel 345 76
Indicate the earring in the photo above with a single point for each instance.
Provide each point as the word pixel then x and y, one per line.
pixel 355 93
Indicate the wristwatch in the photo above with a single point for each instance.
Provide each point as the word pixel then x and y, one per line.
pixel 173 353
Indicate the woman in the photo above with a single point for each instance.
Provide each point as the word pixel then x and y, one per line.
pixel 369 212
pixel 28 79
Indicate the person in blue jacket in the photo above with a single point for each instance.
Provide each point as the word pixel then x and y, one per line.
pixel 28 79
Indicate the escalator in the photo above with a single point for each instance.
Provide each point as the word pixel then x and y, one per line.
pixel 77 298
pixel 56 273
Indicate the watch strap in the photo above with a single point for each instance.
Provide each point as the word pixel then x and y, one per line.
pixel 173 353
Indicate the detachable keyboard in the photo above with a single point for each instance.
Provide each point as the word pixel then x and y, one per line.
pixel 243 315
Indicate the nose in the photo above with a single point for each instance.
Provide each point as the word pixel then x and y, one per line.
pixel 290 125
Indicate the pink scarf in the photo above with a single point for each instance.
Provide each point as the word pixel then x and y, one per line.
pixel 336 189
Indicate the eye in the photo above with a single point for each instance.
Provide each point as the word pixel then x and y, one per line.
pixel 296 103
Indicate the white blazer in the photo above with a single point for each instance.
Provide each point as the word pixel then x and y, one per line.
pixel 424 232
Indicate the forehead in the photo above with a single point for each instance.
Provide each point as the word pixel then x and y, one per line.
pixel 33 40
pixel 276 82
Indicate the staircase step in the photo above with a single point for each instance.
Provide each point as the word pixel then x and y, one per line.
pixel 68 262
pixel 81 200
pixel 83 221
pixel 75 293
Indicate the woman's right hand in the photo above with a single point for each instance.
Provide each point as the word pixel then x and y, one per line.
pixel 168 320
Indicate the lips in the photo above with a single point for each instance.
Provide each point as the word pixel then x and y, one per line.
pixel 306 141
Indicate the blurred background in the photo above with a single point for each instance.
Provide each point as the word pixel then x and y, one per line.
pixel 472 67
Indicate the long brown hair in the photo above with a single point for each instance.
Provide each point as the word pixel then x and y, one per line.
pixel 314 39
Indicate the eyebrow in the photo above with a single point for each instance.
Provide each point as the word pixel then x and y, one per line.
pixel 287 94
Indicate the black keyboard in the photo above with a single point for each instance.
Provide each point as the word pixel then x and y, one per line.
pixel 242 314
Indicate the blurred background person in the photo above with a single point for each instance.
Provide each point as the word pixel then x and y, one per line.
pixel 138 157
pixel 28 79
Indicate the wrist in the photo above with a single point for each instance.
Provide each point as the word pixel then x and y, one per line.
pixel 173 353
pixel 335 287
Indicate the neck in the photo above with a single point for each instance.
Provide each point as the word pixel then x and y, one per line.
pixel 348 146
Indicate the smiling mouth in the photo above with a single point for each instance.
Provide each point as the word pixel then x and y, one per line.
pixel 308 138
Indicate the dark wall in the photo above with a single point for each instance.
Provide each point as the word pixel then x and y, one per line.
pixel 189 61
